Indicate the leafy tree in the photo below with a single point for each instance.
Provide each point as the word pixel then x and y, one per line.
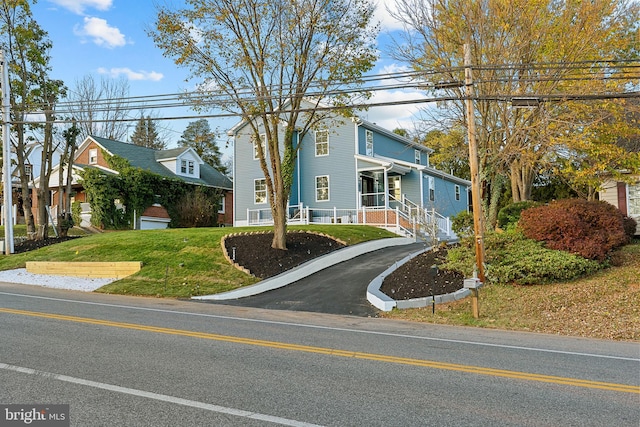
pixel 450 151
pixel 280 52
pixel 519 48
pixel 199 136
pixel 26 47
pixel 146 135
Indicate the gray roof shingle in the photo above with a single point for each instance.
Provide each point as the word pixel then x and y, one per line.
pixel 148 159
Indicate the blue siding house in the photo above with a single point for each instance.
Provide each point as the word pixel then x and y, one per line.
pixel 349 170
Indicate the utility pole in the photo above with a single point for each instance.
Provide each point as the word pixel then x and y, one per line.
pixel 475 180
pixel 6 158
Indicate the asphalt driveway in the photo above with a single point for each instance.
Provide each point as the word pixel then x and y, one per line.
pixel 337 289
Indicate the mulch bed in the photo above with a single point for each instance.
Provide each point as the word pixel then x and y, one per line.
pixel 416 278
pixel 30 245
pixel 254 251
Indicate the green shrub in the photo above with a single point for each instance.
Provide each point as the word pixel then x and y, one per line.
pixel 590 229
pixel 510 214
pixel 462 224
pixel 630 227
pixel 76 210
pixel 512 258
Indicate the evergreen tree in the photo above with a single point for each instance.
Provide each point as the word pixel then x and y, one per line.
pixel 199 136
pixel 146 134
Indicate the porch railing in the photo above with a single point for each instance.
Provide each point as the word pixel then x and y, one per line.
pixel 403 216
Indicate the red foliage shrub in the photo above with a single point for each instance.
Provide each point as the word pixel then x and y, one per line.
pixel 589 229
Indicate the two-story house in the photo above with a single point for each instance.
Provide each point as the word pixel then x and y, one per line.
pixel 178 163
pixel 351 171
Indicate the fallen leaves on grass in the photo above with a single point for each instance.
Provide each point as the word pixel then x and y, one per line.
pixel 604 305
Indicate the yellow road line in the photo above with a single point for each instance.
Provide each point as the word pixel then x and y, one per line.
pixel 340 353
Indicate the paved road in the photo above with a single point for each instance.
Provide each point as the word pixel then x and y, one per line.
pixel 340 289
pixel 153 362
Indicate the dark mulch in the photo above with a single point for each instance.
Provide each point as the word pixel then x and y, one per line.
pixel 414 279
pixel 254 251
pixel 30 245
pixel 417 278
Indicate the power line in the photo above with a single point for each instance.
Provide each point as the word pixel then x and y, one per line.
pixel 412 80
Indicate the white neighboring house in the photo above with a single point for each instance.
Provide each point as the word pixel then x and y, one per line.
pixel 624 196
pixel 32 169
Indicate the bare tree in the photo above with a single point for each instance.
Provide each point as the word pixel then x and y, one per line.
pixel 100 107
pixel 264 58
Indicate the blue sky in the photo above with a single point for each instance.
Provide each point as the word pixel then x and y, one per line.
pixel 108 38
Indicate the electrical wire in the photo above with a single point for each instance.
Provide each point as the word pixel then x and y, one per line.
pixel 603 70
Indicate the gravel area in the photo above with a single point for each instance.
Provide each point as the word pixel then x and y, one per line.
pixel 20 275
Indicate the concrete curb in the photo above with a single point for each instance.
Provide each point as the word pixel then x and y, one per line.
pixel 308 269
pixel 385 303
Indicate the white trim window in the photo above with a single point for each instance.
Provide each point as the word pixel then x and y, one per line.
pixel 457 192
pixel 187 167
pixel 417 156
pixel 368 142
pixel 432 189
pixel 222 204
pixel 263 142
pixel 322 188
pixel 259 191
pixel 93 156
pixel 28 172
pixel 322 143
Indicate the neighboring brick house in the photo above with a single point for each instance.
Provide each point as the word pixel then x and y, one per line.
pixel 178 163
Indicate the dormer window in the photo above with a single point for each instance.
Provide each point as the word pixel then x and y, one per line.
pixel 187 167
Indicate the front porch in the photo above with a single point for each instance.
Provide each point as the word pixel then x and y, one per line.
pixel 402 219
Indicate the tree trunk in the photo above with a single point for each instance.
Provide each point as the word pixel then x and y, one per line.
pixel 24 183
pixel 279 213
pixel 522 177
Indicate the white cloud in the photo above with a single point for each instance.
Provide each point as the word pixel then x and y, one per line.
pixel 403 109
pixel 382 15
pixel 397 115
pixel 132 75
pixel 79 6
pixel 101 33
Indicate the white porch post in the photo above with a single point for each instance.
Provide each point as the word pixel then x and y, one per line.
pixel 422 189
pixel 386 190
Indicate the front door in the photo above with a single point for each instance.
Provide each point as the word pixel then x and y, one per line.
pixel 368 190
pixel 395 189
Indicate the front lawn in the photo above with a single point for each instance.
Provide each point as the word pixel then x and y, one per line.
pixel 176 262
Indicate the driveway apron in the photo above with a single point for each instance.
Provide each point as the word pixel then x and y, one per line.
pixel 339 289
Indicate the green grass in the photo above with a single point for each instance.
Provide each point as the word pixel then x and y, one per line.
pixel 176 262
